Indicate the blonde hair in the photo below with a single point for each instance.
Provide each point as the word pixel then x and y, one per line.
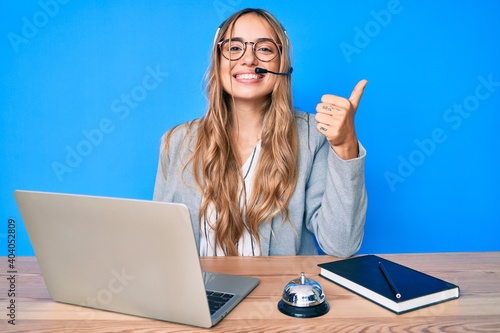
pixel 216 169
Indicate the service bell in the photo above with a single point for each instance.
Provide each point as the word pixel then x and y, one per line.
pixel 303 298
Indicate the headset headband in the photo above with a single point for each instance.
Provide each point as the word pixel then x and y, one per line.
pixel 222 24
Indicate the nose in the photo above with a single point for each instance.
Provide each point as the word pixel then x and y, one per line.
pixel 249 57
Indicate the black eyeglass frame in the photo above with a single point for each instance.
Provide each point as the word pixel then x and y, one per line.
pixel 278 47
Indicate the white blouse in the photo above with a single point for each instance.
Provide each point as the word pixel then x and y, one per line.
pixel 247 246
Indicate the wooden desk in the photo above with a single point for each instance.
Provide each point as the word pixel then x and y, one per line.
pixel 477 309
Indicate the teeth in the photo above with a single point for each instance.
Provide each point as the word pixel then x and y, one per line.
pixel 248 76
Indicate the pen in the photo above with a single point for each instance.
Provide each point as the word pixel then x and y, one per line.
pixel 389 280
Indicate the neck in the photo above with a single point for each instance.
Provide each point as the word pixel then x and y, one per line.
pixel 248 117
pixel 246 132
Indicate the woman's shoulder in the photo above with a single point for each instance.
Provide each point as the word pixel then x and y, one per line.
pixel 304 118
pixel 306 128
pixel 299 114
pixel 180 135
pixel 305 121
pixel 182 131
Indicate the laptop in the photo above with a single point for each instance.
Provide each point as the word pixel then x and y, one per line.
pixel 129 256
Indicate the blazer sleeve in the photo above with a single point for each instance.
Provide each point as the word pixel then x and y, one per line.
pixel 159 193
pixel 170 164
pixel 336 201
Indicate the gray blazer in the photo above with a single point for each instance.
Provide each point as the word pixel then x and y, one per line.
pixel 327 208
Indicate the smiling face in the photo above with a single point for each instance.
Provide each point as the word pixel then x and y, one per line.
pixel 238 77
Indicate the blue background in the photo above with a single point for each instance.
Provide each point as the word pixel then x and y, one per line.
pixel 76 79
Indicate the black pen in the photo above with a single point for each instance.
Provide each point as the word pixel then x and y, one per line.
pixel 389 280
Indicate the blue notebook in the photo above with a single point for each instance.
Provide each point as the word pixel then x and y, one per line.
pixel 363 275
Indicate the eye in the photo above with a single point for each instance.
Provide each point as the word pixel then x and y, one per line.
pixel 235 48
pixel 266 48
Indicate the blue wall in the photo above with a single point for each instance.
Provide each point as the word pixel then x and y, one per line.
pixel 88 87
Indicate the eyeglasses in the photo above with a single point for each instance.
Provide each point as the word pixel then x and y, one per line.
pixel 264 49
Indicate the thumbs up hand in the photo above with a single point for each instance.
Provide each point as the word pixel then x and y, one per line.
pixel 335 118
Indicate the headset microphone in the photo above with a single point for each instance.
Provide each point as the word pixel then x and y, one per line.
pixel 259 70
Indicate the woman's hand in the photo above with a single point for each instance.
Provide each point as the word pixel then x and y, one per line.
pixel 335 118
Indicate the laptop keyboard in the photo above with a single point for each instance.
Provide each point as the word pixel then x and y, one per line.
pixel 216 300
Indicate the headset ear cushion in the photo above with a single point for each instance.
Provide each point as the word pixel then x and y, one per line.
pixel 217 32
pixel 287 40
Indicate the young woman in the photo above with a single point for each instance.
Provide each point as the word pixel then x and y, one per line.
pixel 258 177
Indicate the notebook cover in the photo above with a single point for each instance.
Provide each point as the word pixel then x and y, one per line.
pixel 365 271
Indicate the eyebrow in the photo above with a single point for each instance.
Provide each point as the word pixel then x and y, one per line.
pixel 256 41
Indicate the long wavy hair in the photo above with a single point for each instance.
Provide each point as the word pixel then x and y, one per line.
pixel 216 169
